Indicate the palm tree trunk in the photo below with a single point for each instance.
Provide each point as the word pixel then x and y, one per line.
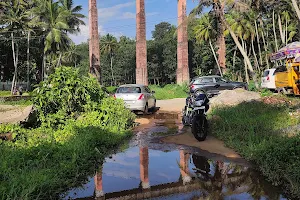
pixel 215 56
pixel 245 63
pixel 280 30
pixel 28 61
pixel 295 5
pixel 258 43
pixel 238 44
pixel 111 68
pixel 15 63
pixel 44 67
pixel 266 48
pixel 234 58
pixel 254 54
pixel 286 30
pixel 59 60
pixel 274 30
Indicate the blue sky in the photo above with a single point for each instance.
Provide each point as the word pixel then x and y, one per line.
pixel 118 16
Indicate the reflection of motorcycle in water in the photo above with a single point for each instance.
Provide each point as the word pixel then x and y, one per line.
pixel 202 166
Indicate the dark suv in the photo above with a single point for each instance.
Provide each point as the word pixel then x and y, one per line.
pixel 212 85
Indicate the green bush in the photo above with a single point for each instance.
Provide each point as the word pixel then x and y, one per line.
pixel 112 89
pixel 252 129
pixel 65 94
pixel 80 126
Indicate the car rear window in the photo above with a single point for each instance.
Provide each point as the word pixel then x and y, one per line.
pixel 129 90
pixel 266 73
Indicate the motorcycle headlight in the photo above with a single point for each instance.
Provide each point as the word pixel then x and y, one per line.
pixel 199 102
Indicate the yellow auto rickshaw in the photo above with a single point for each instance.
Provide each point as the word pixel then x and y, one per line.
pixel 288 80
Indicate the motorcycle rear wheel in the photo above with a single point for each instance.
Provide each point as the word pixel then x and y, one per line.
pixel 200 128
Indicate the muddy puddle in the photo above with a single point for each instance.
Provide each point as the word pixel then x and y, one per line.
pixel 150 169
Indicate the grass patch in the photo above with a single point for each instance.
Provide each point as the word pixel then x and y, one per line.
pixel 44 163
pixel 251 129
pixel 4 93
pixel 7 93
pixel 17 103
pixel 170 91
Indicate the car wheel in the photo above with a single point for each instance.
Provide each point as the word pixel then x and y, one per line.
pixel 146 110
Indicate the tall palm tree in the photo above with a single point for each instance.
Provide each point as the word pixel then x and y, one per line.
pixel 74 19
pixel 205 31
pixel 218 10
pixel 71 56
pixel 55 25
pixel 109 45
pixel 15 20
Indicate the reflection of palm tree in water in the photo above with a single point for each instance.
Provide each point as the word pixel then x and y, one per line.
pixel 211 184
pixel 228 179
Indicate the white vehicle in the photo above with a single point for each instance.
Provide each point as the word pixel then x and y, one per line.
pixel 137 97
pixel 268 79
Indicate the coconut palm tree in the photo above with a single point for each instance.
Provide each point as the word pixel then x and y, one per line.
pixel 71 56
pixel 55 25
pixel 109 45
pixel 74 19
pixel 218 9
pixel 15 20
pixel 205 31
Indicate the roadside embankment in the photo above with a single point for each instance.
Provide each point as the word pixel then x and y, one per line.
pixel 255 130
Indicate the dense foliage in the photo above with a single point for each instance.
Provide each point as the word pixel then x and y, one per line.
pixel 252 129
pixel 243 32
pixel 34 37
pixel 79 127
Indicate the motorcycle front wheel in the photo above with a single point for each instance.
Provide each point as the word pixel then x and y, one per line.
pixel 185 120
pixel 200 127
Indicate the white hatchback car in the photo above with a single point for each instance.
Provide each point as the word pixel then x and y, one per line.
pixel 268 79
pixel 136 97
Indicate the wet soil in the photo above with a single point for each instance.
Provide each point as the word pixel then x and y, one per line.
pixel 174 167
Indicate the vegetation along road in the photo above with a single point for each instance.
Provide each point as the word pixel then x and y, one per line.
pixel 52 79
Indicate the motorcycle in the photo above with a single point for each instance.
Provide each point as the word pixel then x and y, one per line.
pixel 194 114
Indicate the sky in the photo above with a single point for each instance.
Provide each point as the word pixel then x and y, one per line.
pixel 117 17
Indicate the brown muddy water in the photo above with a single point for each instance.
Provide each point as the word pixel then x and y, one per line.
pixel 150 169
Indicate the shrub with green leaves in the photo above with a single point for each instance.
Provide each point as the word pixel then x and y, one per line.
pixel 80 126
pixel 253 130
pixel 65 93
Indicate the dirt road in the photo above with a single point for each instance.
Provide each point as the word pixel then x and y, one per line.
pixel 13 114
pixel 211 144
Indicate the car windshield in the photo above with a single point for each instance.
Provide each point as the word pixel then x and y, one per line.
pixel 129 90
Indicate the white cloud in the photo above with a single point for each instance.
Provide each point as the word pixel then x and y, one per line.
pixel 106 14
pixel 83 36
pixel 151 14
pixel 128 15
